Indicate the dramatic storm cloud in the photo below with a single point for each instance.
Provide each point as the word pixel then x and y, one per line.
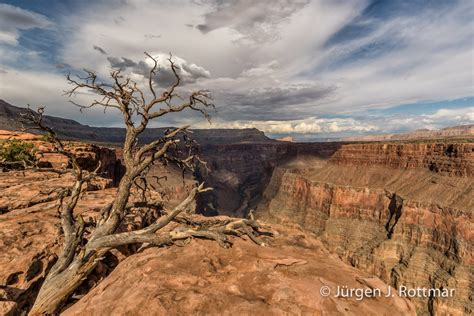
pixel 309 68
pixel 165 77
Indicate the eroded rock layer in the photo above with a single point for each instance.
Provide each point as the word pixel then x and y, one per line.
pixel 383 209
pixel 30 233
pixel 455 159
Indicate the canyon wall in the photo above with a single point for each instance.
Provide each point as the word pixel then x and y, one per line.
pixel 403 212
pixel 456 159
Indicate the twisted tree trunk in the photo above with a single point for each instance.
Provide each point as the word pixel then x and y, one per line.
pixel 58 288
pixel 61 282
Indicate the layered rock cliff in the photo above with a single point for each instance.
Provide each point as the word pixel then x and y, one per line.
pixel 456 159
pixel 385 210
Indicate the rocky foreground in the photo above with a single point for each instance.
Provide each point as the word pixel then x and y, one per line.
pixel 282 278
pixel 199 278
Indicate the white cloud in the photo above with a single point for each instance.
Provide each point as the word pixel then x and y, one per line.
pixel 431 61
pixel 311 125
pixel 255 21
pixel 265 69
pixel 464 115
pixel 14 19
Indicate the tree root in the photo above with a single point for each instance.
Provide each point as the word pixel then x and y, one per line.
pixel 217 229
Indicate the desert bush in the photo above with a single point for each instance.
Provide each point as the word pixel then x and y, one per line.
pixel 45 138
pixel 15 153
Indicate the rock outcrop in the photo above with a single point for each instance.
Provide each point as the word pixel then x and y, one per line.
pixel 22 189
pixel 89 156
pixel 382 209
pixel 30 231
pixel 202 278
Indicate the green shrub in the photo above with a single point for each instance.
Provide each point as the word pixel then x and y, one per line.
pixel 16 153
pixel 45 138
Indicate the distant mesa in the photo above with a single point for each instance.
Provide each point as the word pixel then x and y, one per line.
pixel 9 115
pixel 461 131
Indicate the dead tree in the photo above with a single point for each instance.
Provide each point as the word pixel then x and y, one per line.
pixel 80 253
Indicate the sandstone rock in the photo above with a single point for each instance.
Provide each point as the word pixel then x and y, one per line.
pixel 18 135
pixel 455 159
pixel 29 242
pixel 205 279
pixel 20 189
pixel 88 155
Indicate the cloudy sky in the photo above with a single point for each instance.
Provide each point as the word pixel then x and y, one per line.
pixel 304 68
